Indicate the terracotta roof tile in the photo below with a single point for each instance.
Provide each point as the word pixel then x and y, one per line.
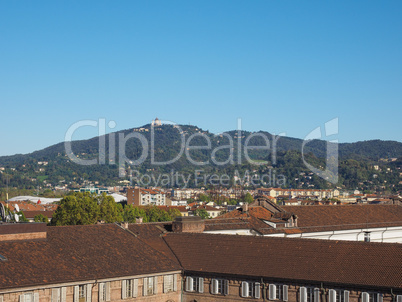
pixel 338 262
pixel 346 215
pixel 77 253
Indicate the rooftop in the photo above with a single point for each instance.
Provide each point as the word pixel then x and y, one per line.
pixel 369 265
pixel 77 253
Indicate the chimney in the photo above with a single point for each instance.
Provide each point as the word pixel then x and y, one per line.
pixel 23 231
pixel 188 224
pixel 244 207
pixel 138 220
pixel 124 225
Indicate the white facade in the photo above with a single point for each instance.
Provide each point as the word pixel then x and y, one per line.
pixel 386 234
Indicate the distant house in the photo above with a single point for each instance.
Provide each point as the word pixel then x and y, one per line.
pixel 95 190
pixel 145 197
pixel 212 212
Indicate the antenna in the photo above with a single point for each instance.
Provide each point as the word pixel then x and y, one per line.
pixel 16 217
pixel 7 179
pixel 17 208
pixel 9 217
pixel 2 212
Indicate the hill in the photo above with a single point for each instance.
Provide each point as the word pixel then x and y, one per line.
pixel 116 154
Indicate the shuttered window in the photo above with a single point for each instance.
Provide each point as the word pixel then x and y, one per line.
pixel 340 295
pixel 219 287
pixel 167 283
pixel 150 286
pixel 332 295
pixel 129 288
pixel 82 294
pixel 29 297
pixel 56 295
pixel 195 284
pixel 308 294
pixel 303 294
pixel 250 289
pixel 365 297
pixel 104 292
pixel 278 292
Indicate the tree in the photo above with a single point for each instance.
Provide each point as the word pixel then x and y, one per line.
pixel 203 197
pixel 22 217
pixel 248 198
pixel 173 213
pixel 41 218
pixel 108 210
pixel 130 214
pixel 202 213
pixel 77 209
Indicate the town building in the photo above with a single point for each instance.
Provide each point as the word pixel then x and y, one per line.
pixel 83 264
pixel 91 189
pixel 177 262
pixel 146 197
pixel 358 222
pixel 294 193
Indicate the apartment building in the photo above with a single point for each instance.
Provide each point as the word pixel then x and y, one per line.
pixel 146 197
pixel 294 193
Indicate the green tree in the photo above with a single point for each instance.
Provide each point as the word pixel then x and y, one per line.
pixel 77 209
pixel 248 198
pixel 154 214
pixel 130 214
pixel 108 209
pixel 202 213
pixel 203 197
pixel 41 218
pixel 173 213
pixel 22 217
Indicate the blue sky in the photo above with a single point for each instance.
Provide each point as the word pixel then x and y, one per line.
pixel 280 66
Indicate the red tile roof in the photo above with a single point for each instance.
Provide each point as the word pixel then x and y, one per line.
pixel 77 253
pixel 256 212
pixel 32 214
pixel 346 215
pixel 291 260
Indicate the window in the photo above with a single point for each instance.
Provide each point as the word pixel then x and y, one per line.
pixel 82 293
pixel 59 294
pixel 129 288
pixel 169 283
pixel 219 287
pixel 366 236
pixel 250 289
pixel 29 297
pixel 278 292
pixel 150 286
pixel 195 284
pixel 371 297
pixel 104 291
pixel 339 296
pixel 56 297
pixel 26 297
pixel 309 294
